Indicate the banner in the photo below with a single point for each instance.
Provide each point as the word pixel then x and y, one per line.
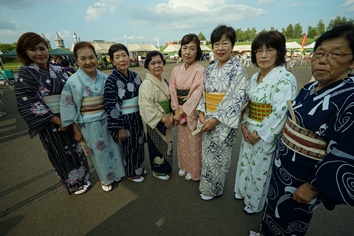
pixel 303 41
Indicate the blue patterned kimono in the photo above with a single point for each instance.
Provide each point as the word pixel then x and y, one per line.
pixel 118 87
pixel 232 80
pixel 106 154
pixel 65 154
pixel 329 113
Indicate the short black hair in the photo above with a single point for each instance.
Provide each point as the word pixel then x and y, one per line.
pixel 65 62
pixel 271 39
pixel 149 57
pixel 117 47
pixel 221 30
pixel 191 38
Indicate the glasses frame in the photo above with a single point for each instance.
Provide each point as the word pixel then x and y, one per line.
pixel 331 55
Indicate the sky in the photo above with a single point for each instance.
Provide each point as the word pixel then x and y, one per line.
pixel 157 21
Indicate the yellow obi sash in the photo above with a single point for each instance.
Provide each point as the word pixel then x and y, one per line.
pixel 91 105
pixel 165 105
pixel 212 100
pixel 130 105
pixel 53 102
pixel 303 141
pixel 259 111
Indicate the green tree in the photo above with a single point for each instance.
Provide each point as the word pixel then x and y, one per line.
pixel 297 31
pixel 289 31
pixel 240 35
pixel 320 28
pixel 7 47
pixel 201 36
pixel 312 32
pixel 339 20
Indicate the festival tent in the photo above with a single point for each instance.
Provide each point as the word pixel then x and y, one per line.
pixel 292 45
pixel 312 45
pixel 61 52
pixel 176 47
pixel 9 54
pixel 241 48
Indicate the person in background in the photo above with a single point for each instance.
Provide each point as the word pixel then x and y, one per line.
pixel 37 90
pixel 57 60
pixel 271 87
pixel 82 106
pixel 66 65
pixel 314 158
pixel 226 94
pixel 155 111
pixel 186 88
pixel 121 105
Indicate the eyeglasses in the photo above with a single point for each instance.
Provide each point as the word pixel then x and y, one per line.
pixel 331 55
pixel 153 63
pixel 266 51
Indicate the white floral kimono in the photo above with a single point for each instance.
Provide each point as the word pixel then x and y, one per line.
pixel 231 80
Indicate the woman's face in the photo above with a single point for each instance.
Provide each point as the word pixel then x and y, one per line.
pixel 121 60
pixel 222 50
pixel 189 52
pixel 266 58
pixel 87 60
pixel 156 66
pixel 331 61
pixel 39 54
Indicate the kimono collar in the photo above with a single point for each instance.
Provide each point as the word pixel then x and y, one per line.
pixel 53 70
pixel 153 79
pixel 82 74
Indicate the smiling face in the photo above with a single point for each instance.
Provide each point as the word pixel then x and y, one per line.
pixel 39 54
pixel 156 66
pixel 326 69
pixel 121 60
pixel 87 61
pixel 222 50
pixel 189 52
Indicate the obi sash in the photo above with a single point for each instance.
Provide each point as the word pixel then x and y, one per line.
pixel 182 96
pixel 91 105
pixel 53 102
pixel 259 110
pixel 130 105
pixel 212 100
pixel 165 105
pixel 303 141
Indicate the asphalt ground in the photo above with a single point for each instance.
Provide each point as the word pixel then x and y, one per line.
pixel 33 202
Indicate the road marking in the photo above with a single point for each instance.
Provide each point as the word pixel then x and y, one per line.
pixel 8 122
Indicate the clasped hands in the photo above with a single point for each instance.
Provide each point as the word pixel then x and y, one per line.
pixel 208 125
pixel 251 138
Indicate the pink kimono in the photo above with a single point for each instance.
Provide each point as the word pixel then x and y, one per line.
pixel 190 82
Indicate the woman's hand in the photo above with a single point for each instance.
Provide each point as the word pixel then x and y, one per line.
pixel 167 121
pixel 77 133
pixel 122 134
pixel 202 118
pixel 210 125
pixel 57 120
pixel 250 138
pixel 305 193
pixel 178 114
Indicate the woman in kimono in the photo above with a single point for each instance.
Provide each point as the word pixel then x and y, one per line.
pixel 226 92
pixel 264 118
pixel 186 88
pixel 121 105
pixel 82 105
pixel 37 92
pixel 314 157
pixel 155 111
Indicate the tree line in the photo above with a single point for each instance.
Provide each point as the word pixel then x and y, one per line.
pixel 290 32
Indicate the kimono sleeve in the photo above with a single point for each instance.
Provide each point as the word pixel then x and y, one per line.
pixel 334 176
pixel 285 89
pixel 149 112
pixel 173 90
pixel 30 105
pixel 68 110
pixel 195 92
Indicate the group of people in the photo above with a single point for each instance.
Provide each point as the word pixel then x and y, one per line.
pixel 294 150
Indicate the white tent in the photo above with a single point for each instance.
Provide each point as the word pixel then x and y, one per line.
pixel 241 48
pixel 292 45
pixel 176 47
pixel 205 48
pixel 312 45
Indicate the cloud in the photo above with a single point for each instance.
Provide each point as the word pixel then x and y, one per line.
pixel 265 2
pixel 99 8
pixel 347 6
pixel 194 14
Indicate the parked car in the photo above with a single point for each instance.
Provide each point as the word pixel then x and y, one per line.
pixel 165 55
pixel 174 56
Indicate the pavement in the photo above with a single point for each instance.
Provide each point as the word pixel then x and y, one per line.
pixel 33 202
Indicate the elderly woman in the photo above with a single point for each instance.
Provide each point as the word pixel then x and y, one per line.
pixel 226 93
pixel 121 104
pixel 314 161
pixel 82 105
pixel 155 111
pixel 186 88
pixel 38 91
pixel 264 119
